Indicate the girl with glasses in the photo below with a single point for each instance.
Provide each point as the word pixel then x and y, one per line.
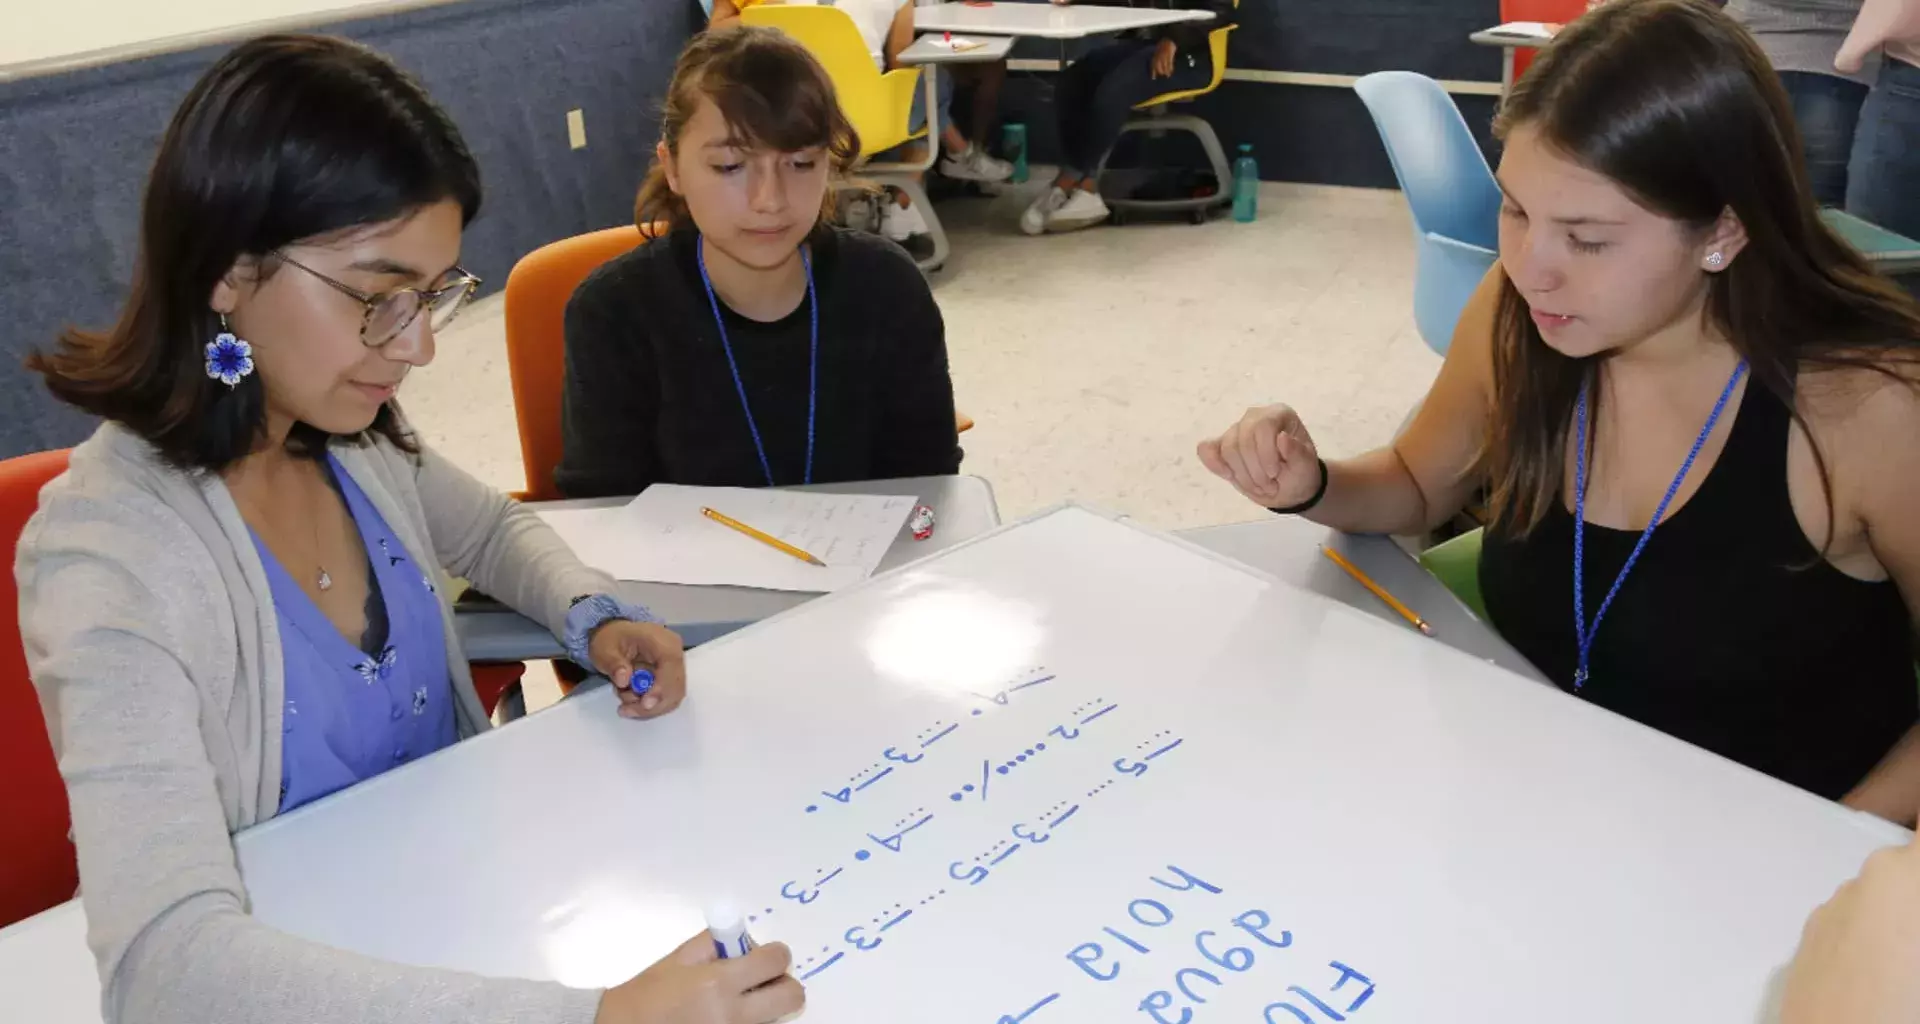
pixel 233 603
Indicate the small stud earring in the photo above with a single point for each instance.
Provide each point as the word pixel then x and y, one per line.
pixel 1716 260
pixel 229 360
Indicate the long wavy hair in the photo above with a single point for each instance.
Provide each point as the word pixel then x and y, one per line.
pixel 1675 103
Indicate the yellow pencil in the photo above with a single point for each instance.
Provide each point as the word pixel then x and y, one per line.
pixel 1378 591
pixel 764 538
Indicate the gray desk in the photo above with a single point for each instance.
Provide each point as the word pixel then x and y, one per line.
pixel 1289 548
pixel 1509 42
pixel 926 51
pixel 1045 20
pixel 964 507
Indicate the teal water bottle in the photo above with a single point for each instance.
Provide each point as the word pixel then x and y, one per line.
pixel 1013 142
pixel 1246 186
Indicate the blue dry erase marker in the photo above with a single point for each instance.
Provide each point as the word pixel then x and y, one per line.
pixel 729 930
pixel 640 682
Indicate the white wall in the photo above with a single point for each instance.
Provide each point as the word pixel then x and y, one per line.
pixel 37 30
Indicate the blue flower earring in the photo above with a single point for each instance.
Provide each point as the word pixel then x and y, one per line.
pixel 229 360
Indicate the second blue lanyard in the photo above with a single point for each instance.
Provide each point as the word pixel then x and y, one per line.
pixel 1582 632
pixel 739 386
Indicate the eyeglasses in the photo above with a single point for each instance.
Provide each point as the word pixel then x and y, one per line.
pixel 389 314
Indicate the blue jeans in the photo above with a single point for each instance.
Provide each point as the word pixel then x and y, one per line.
pixel 1885 183
pixel 1827 109
pixel 1096 96
pixel 943 94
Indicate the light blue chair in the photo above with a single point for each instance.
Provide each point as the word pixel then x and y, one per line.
pixel 706 7
pixel 1456 204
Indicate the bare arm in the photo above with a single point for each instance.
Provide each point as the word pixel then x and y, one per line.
pixel 725 13
pixel 1418 481
pixel 900 35
pixel 1878 466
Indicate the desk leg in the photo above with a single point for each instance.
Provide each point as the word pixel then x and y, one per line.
pixel 1506 71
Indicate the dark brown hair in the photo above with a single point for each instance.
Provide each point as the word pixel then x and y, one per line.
pixel 773 95
pixel 1675 103
pixel 284 139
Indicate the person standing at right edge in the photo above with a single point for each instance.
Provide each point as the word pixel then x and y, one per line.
pixel 1884 186
pixel 1694 406
pixel 1097 94
pixel 1801 38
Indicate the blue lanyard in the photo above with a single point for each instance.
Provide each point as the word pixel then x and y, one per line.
pixel 1581 631
pixel 813 365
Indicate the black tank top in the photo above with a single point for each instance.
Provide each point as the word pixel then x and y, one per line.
pixel 1731 632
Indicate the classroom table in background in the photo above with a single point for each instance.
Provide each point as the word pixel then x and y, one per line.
pixel 928 49
pixel 1044 20
pixel 1514 35
pixel 1890 253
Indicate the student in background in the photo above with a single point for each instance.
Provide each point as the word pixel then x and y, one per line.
pixel 727 12
pixel 1672 337
pixel 1097 96
pixel 752 344
pixel 887 27
pixel 230 604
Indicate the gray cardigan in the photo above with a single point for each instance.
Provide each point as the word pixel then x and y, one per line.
pixel 151 635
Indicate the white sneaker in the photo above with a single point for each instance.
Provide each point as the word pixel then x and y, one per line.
pixel 900 223
pixel 1083 209
pixel 976 165
pixel 1034 221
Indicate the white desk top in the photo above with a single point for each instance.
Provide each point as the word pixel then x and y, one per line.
pixel 927 50
pixel 964 507
pixel 47 974
pixel 1045 20
pixel 1536 857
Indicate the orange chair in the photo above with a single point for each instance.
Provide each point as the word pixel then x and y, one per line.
pixel 38 869
pixel 537 294
pixel 536 306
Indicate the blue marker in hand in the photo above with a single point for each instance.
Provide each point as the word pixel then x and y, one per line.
pixel 729 930
pixel 640 682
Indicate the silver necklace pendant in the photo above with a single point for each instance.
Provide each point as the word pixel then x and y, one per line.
pixel 325 581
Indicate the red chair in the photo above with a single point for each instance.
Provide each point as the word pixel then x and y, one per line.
pixel 1552 12
pixel 38 870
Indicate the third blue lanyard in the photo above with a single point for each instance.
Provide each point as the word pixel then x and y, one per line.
pixel 813 363
pixel 1582 632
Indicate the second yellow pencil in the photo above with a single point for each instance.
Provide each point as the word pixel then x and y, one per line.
pixel 1378 591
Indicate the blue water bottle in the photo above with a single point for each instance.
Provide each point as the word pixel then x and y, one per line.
pixel 1013 142
pixel 1246 186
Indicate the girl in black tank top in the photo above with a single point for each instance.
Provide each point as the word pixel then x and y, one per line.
pixel 1731 632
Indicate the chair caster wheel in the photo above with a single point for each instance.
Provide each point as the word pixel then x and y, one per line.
pixel 1198 217
pixel 1116 218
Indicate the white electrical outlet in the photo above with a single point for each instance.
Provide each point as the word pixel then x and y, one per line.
pixel 576 129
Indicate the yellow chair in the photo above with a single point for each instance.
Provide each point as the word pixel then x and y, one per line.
pixel 879 104
pixel 1163 120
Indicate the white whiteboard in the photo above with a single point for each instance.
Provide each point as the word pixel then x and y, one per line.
pixel 1480 848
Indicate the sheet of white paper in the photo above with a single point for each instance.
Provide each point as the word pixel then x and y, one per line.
pixel 661 537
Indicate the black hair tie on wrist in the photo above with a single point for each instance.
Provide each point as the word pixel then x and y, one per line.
pixel 1307 505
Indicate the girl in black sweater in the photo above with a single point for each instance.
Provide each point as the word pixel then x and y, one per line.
pixel 750 343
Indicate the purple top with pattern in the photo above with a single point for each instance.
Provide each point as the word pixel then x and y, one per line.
pixel 351 715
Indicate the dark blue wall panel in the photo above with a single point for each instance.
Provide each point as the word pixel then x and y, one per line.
pixel 74 150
